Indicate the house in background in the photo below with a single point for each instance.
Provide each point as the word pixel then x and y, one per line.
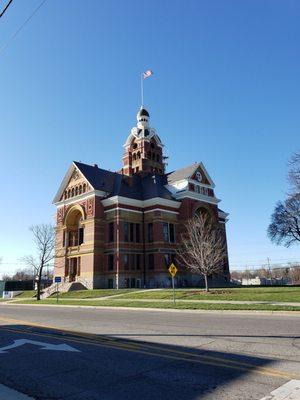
pixel 121 229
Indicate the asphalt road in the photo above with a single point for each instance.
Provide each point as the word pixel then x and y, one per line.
pixel 93 354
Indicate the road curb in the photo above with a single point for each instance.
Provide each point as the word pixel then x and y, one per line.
pixel 247 312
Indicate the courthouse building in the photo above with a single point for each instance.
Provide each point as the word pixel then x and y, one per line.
pixel 121 229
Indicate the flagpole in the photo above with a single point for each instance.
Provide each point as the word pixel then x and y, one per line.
pixel 142 90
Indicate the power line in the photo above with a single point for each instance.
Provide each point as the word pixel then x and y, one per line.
pixel 22 26
pixel 5 8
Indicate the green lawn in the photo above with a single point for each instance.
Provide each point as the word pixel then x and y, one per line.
pixel 166 305
pixel 288 294
pixel 26 294
pixel 89 294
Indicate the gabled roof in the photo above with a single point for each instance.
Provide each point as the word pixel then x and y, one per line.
pixel 187 173
pixel 115 184
pixel 183 173
pixel 139 187
pixel 100 179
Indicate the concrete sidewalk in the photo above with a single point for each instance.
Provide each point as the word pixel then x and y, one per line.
pixel 120 300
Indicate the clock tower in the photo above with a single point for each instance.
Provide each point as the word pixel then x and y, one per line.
pixel 143 148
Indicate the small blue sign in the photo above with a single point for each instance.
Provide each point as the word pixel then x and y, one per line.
pixel 57 279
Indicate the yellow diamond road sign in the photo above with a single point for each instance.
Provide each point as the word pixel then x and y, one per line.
pixel 173 270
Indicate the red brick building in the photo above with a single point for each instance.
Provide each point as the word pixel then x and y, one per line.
pixel 121 229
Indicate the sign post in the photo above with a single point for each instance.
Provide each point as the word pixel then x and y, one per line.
pixel 173 271
pixel 57 280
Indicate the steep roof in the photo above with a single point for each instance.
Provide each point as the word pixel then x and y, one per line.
pixel 115 184
pixel 183 173
pixel 142 112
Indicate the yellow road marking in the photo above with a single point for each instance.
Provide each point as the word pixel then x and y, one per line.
pixel 93 340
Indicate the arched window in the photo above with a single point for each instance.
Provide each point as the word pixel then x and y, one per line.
pixel 138 154
pixel 80 189
pixel 134 156
pixel 73 192
pixel 66 194
pixel 84 188
pixel 76 191
pixel 152 145
pixel 69 193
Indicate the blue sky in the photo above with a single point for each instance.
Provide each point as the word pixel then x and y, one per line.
pixel 225 91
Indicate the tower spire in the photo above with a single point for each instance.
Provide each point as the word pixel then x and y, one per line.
pixel 143 148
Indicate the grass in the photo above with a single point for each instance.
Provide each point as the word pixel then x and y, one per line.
pixel 280 294
pixel 89 294
pixel 26 294
pixel 167 305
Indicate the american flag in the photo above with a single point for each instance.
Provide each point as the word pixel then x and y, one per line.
pixel 147 73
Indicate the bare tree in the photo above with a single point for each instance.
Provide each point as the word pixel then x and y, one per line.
pixel 285 222
pixel 44 239
pixel 23 274
pixel 203 248
pixel 294 172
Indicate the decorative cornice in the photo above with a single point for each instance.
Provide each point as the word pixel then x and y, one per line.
pixel 140 203
pixel 196 196
pixel 80 197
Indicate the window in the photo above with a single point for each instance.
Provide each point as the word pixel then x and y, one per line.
pixel 84 188
pixel 150 232
pixel 172 233
pixel 76 191
pixel 110 283
pixel 157 158
pixel 131 232
pixel 137 233
pixel 111 232
pixel 78 265
pixel 126 231
pixel 126 261
pixel 80 189
pixel 64 238
pixel 73 192
pixel 80 236
pixel 168 232
pixel 151 261
pixel 110 262
pixel 132 261
pixel 167 260
pixel 138 261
